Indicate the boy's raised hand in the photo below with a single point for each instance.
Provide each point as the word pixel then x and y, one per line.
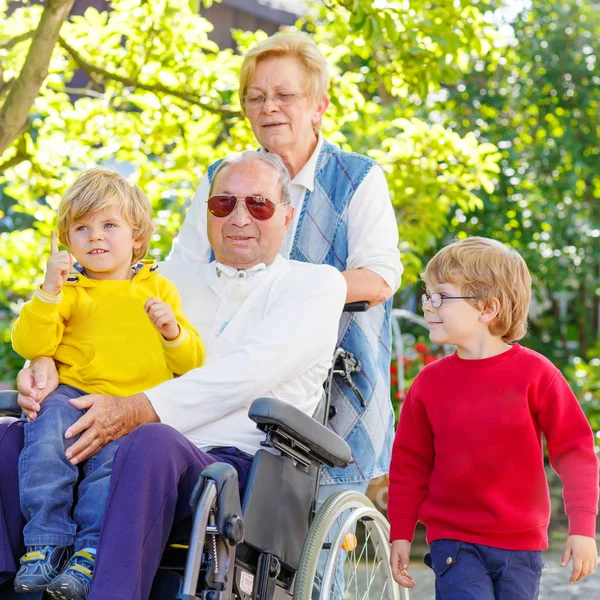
pixel 58 268
pixel 399 559
pixel 584 552
pixel 161 314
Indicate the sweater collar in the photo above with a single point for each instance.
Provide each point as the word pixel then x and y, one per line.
pixel 141 270
pixel 485 363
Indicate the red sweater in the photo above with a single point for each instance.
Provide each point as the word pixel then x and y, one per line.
pixel 468 459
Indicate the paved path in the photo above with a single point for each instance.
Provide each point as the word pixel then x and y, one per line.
pixel 555 583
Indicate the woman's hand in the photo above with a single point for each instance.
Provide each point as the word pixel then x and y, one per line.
pixel 364 284
pixel 34 383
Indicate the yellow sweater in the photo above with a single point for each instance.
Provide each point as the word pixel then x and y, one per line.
pixel 102 338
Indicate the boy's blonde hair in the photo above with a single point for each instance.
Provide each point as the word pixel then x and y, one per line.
pixel 297 45
pixel 486 269
pixel 97 189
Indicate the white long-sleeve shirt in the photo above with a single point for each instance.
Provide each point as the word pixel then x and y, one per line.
pixel 372 231
pixel 278 342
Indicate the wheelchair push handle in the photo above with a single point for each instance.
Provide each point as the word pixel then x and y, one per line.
pixel 359 306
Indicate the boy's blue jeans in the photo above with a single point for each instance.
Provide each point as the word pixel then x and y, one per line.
pixel 475 572
pixel 47 479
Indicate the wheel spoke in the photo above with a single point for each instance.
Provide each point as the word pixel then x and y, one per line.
pixel 349 551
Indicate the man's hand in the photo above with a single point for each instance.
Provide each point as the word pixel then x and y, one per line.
pixel 34 383
pixel 161 315
pixel 585 556
pixel 58 268
pixel 399 561
pixel 108 418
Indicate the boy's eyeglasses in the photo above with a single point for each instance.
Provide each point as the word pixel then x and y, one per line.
pixel 280 98
pixel 260 208
pixel 437 299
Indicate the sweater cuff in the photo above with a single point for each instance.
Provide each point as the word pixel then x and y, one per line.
pixel 178 340
pixel 582 522
pixel 402 529
pixel 45 305
pixel 160 406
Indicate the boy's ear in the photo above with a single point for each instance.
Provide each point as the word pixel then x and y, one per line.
pixel 138 241
pixel 490 310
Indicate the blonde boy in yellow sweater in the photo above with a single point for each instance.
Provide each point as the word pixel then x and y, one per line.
pixel 114 326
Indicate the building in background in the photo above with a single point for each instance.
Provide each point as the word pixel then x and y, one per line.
pixel 250 15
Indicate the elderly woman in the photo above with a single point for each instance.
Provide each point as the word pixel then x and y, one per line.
pixel 343 217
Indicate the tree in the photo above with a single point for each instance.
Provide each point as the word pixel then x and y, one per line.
pixel 540 105
pixel 161 103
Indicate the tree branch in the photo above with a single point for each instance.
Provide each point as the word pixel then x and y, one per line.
pixel 157 88
pixel 8 44
pixel 86 91
pixel 13 162
pixel 5 86
pixel 18 158
pixel 15 110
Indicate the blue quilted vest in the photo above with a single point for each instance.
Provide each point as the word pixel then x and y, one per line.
pixel 321 238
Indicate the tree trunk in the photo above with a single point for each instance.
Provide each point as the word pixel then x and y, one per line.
pixel 15 110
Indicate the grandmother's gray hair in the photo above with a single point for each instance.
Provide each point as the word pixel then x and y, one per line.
pixel 252 155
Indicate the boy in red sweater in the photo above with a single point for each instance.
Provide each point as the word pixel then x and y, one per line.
pixel 468 459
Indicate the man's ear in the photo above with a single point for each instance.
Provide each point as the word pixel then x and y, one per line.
pixel 490 310
pixel 289 216
pixel 320 108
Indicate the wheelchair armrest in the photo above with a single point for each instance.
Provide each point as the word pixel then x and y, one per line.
pixel 8 404
pixel 298 435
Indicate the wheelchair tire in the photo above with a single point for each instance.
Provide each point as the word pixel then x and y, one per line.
pixel 348 537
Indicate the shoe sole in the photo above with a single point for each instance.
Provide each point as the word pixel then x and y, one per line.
pixel 30 589
pixel 63 594
pixel 58 595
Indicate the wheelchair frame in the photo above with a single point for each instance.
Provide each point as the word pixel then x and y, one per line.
pixel 262 567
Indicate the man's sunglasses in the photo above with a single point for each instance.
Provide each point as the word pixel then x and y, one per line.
pixel 260 208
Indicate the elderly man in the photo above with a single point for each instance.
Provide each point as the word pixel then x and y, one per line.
pixel 270 328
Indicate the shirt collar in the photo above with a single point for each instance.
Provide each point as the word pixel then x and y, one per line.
pixel 221 278
pixel 306 176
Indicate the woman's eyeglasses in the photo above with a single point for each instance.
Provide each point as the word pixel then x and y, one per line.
pixel 438 299
pixel 280 98
pixel 260 208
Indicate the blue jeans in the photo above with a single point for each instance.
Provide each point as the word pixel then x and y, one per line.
pixel 47 480
pixel 475 572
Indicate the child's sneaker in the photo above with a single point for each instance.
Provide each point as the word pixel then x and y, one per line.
pixel 40 566
pixel 75 581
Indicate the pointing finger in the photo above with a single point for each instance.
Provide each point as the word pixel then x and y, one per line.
pixel 53 244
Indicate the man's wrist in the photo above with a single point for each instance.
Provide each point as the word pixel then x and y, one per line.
pixel 143 411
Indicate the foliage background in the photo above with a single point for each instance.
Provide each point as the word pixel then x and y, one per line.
pixel 484 116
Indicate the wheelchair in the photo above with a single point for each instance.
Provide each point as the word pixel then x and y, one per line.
pixel 272 544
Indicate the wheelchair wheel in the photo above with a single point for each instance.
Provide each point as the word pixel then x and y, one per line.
pixel 346 555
